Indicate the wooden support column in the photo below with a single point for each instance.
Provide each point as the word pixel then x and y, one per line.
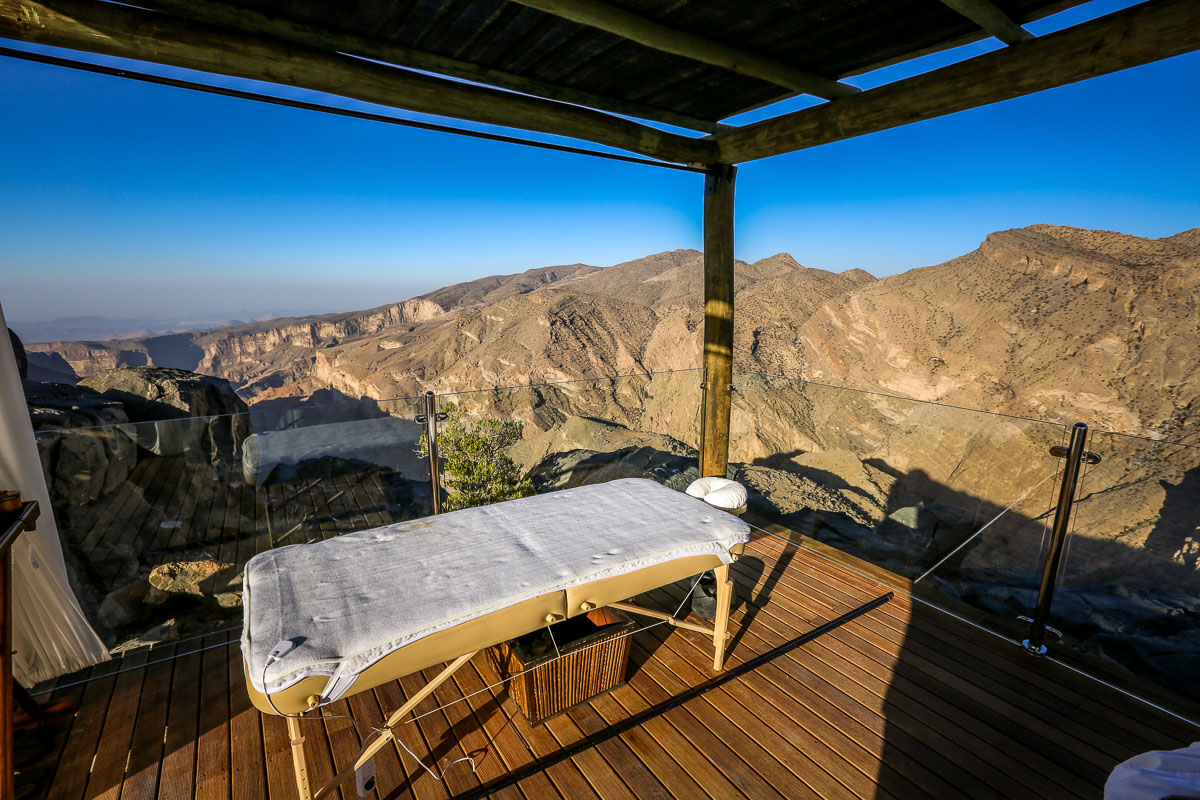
pixel 718 318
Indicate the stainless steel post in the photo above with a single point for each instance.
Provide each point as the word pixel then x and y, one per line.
pixel 1076 456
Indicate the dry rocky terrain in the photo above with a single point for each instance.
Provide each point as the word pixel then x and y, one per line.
pixel 850 418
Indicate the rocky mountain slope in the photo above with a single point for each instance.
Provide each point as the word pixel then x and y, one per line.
pixel 1044 321
pixel 553 323
pixel 1048 322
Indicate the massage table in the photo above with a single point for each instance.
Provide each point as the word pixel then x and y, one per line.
pixel 344 615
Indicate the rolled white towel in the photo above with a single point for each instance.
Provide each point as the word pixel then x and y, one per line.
pixel 720 493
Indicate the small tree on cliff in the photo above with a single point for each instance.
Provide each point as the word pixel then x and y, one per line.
pixel 478 471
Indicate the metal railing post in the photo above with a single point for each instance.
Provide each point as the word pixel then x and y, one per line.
pixel 430 419
pixel 1076 455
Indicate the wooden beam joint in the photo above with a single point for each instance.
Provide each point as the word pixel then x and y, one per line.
pixel 1151 31
pixel 986 15
pixel 602 16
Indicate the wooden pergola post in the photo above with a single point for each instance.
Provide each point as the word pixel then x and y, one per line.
pixel 718 319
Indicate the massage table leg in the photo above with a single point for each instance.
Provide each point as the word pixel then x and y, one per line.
pixel 298 762
pixel 721 623
pixel 368 752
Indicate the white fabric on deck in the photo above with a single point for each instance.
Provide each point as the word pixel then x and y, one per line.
pixel 1155 775
pixel 51 635
pixel 358 597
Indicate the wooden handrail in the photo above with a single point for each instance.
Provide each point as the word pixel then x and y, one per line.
pixel 24 519
pixel 13 524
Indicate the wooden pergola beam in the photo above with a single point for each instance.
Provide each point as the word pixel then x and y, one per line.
pixel 1152 31
pixel 618 21
pixel 249 20
pixel 126 32
pixel 987 16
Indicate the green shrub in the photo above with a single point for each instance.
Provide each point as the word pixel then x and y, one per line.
pixel 476 469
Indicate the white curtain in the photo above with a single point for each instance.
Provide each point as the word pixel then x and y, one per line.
pixel 51 635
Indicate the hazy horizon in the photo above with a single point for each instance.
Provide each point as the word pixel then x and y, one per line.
pixel 29 328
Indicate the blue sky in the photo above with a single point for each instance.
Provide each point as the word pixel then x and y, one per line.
pixel 125 199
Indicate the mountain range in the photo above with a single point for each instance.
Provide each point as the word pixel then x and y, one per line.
pixel 1044 321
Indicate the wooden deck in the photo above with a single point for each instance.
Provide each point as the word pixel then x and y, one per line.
pixel 903 702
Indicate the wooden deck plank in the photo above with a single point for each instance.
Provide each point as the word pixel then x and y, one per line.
pixel 919 652
pixel 969 710
pixel 143 529
pixel 196 488
pixel 838 767
pixel 410 743
pixel 466 727
pixel 597 715
pixel 277 757
pixel 112 751
pixel 446 747
pixel 617 752
pixel 389 771
pixel 927 653
pixel 90 527
pixel 178 776
pixel 711 762
pixel 248 769
pixel 499 720
pixel 213 770
pixel 604 780
pixel 100 514
pixel 851 722
pixel 934 716
pixel 565 776
pixel 79 751
pixel 146 748
pixel 1047 685
pixel 124 526
pixel 905 702
pixel 746 734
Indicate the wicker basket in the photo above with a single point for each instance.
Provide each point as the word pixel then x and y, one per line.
pixel 595 654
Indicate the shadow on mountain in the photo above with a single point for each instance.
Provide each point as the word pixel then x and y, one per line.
pixel 177 350
pixel 1176 534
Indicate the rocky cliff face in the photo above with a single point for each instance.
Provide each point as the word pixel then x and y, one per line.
pixel 1048 322
pixel 548 324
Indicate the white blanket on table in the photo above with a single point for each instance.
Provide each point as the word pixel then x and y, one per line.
pixel 358 597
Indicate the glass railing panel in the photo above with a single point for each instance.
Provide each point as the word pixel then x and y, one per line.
pixel 158 518
pixel 1128 599
pixel 958 500
pixel 578 432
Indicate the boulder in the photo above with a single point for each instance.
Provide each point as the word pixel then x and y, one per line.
pixel 84 440
pixel 179 412
pixel 585 433
pixel 581 467
pixel 124 606
pixel 203 579
pixel 159 634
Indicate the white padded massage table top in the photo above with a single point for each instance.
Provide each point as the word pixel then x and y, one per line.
pixel 351 600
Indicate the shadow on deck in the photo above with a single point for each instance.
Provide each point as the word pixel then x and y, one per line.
pixel 903 702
